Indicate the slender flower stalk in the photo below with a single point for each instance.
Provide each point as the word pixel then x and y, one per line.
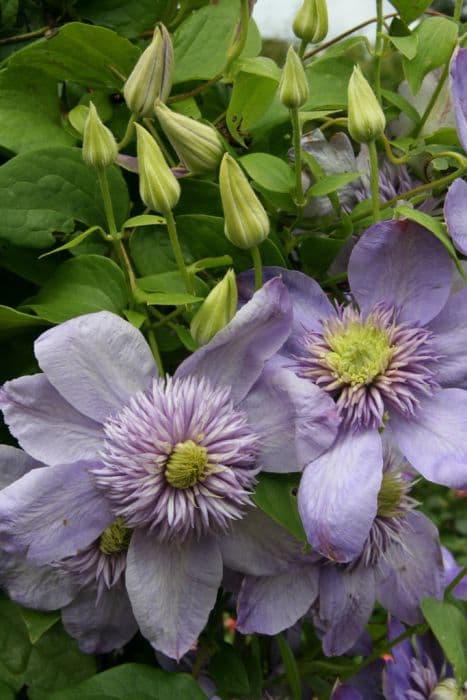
pixel 177 251
pixel 374 178
pixel 257 263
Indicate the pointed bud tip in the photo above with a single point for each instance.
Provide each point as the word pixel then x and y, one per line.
pixel 216 311
pixel 293 87
pixel 366 120
pixel 99 146
pixel 158 187
pixel 311 21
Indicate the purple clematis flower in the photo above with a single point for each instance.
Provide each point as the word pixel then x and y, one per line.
pixel 172 462
pixel 394 362
pixel 400 564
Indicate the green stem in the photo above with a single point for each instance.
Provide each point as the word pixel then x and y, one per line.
pixel 177 251
pixel 128 132
pixel 297 135
pixel 107 200
pixel 379 47
pixel 302 48
pixel 374 175
pixel 239 40
pixel 458 10
pixel 195 91
pixel 457 579
pixel 24 37
pixel 415 629
pixel 433 100
pixel 258 265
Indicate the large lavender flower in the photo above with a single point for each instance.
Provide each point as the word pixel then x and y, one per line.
pixel 174 462
pixel 400 564
pixel 396 362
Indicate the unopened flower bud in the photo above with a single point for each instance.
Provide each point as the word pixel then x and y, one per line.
pixel 158 187
pixel 447 690
pixel 293 87
pixel 366 120
pixel 99 146
pixel 151 78
pixel 311 21
pixel 197 145
pixel 246 223
pixel 216 311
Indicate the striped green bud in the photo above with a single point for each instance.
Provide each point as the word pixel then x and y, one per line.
pixel 216 311
pixel 246 223
pixel 158 186
pixel 99 146
pixel 151 78
pixel 293 87
pixel 366 120
pixel 311 21
pixel 197 145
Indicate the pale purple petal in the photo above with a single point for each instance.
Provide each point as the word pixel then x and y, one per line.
pixel 450 341
pixel 14 463
pixel 451 570
pixel 100 624
pixel 172 588
pixel 434 438
pixel 32 586
pixel 396 674
pixel 46 425
pixel 236 355
pixel 300 422
pixel 97 362
pixel 459 92
pixel 342 691
pixel 337 497
pixel 270 604
pixel 402 264
pixel 411 571
pixel 257 546
pixel 455 212
pixel 310 304
pixel 52 513
pixel 346 599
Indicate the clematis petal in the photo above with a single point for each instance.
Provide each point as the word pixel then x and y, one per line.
pixel 96 362
pixel 46 425
pixel 346 600
pixel 402 264
pixel 449 342
pixel 172 588
pixel 459 92
pixel 14 463
pixel 301 421
pixel 433 440
pixel 451 570
pixel 337 497
pixel 270 604
pixel 455 210
pixel 412 570
pixel 100 625
pixel 52 513
pixel 236 355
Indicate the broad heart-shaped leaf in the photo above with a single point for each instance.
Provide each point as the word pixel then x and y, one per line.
pixel 228 671
pixel 92 56
pixel 81 286
pixel 135 681
pixel 126 17
pixel 331 183
pixel 254 88
pixel 328 79
pixel 276 495
pixel 449 626
pixel 437 37
pixel 13 321
pixel 29 111
pixel 268 171
pixel 201 41
pixel 38 622
pixel 410 9
pixel 48 190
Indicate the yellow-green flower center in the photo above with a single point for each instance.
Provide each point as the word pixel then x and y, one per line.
pixel 447 690
pixel 390 495
pixel 187 465
pixel 115 538
pixel 359 353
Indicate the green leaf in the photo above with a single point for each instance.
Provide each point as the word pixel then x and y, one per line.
pixel 268 171
pixel 291 668
pixel 407 45
pixel 134 317
pixel 135 681
pixel 81 286
pixel 91 56
pixel 166 298
pixel 402 104
pixel 449 626
pixel 436 227
pixel 201 41
pixel 331 183
pixel 276 495
pixel 126 17
pixel 47 190
pixel 30 111
pixel 410 9
pixel 38 622
pixel 12 321
pixel 437 38
pixel 209 263
pixel 254 88
pixel 328 79
pixel 6 693
pixel 144 220
pixel 317 253
pixel 56 662
pixel 228 672
pixel 14 645
pixel 74 241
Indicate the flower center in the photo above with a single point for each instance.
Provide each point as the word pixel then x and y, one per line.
pixel 187 465
pixel 115 538
pixel 359 353
pixel 447 690
pixel 391 496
